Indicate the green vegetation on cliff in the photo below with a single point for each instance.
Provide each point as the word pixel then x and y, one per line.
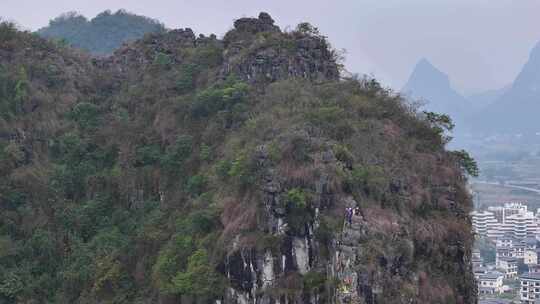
pixel 186 169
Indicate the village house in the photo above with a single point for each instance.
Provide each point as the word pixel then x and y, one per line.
pixel 530 257
pixel 509 266
pixel 478 271
pixel 506 241
pixel 534 268
pixel 491 283
pixel 530 288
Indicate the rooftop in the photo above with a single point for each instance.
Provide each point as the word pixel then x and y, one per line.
pixel 508 259
pixel 494 301
pixel 530 276
pixel 480 269
pixel 491 276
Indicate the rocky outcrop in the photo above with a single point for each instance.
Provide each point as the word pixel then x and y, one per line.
pixel 264 23
pixel 143 52
pixel 353 271
pixel 258 51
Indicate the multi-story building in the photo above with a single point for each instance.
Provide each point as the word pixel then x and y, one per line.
pixel 484 222
pixel 511 219
pixel 490 283
pixel 530 257
pixel 538 216
pixel 521 225
pixel 508 266
pixel 510 247
pixel 534 268
pixel 479 271
pixel 530 288
pixel 508 209
pixel 503 253
pixel 507 241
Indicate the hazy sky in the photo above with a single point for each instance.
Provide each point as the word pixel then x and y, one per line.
pixel 481 44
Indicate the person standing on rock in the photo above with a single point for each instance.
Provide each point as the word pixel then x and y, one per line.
pixel 348 215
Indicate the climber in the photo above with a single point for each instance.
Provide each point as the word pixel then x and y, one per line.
pixel 348 215
pixel 357 211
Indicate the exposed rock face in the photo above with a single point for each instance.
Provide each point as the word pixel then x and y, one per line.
pixel 135 56
pixel 356 281
pixel 310 60
pixel 264 23
pixel 255 50
pixel 275 55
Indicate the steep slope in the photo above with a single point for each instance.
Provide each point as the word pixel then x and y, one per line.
pixel 516 110
pixel 432 86
pixel 102 34
pixel 189 169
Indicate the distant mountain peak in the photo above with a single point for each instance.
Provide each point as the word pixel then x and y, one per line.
pixel 426 73
pixel 516 110
pixel 425 63
pixel 102 34
pixel 430 84
pixel 536 50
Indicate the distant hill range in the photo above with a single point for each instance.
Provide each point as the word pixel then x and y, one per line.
pixel 102 34
pixel 518 109
pixel 432 87
pixel 513 109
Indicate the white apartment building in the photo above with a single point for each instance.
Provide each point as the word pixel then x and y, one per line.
pixel 490 283
pixel 530 288
pixel 479 271
pixel 484 222
pixel 501 212
pixel 517 252
pixel 520 225
pixel 509 220
pixel 508 266
pixel 507 241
